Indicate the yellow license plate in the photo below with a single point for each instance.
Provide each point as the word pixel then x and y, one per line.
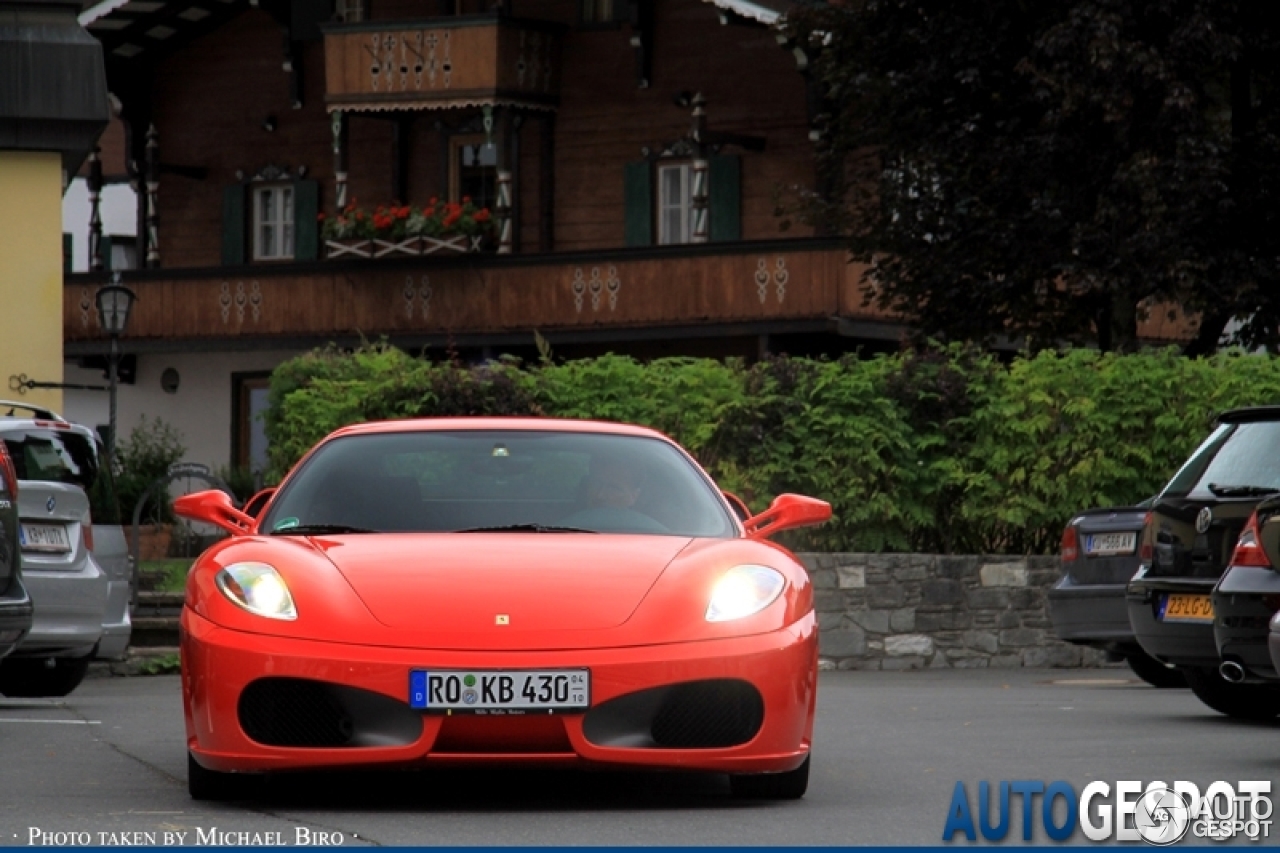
pixel 1187 608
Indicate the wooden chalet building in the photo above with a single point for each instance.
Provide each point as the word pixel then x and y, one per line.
pixel 633 154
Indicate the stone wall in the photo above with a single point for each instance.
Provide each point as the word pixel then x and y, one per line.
pixel 916 611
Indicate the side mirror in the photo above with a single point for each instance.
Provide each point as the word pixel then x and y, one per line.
pixel 785 513
pixel 214 507
pixel 740 507
pixel 254 506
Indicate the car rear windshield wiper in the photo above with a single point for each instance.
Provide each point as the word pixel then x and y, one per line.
pixel 308 529
pixel 525 528
pixel 1240 491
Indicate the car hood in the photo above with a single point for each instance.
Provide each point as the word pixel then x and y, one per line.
pixel 451 583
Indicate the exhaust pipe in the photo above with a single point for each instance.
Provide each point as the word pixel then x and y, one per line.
pixel 1231 671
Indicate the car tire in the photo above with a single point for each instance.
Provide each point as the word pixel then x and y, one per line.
pixel 789 785
pixel 1241 701
pixel 1153 671
pixel 34 678
pixel 205 784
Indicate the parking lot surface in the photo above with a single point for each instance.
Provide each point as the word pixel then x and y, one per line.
pixel 889 750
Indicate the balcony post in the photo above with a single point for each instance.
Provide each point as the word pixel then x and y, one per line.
pixel 339 125
pixel 153 192
pixel 504 212
pixel 699 192
pixel 96 261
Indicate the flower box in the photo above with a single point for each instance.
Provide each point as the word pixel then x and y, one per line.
pixel 348 247
pixel 405 231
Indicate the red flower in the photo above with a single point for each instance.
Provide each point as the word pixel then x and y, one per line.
pixel 320 217
pixel 466 199
pixel 482 215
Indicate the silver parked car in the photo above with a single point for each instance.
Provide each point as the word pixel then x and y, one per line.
pixel 57 464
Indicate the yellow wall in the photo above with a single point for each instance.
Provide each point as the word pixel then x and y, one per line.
pixel 31 273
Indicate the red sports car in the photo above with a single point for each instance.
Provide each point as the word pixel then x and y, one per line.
pixel 496 591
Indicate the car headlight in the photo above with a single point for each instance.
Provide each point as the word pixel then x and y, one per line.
pixel 744 590
pixel 258 588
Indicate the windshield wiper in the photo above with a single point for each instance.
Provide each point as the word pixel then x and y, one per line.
pixel 1240 491
pixel 308 529
pixel 525 528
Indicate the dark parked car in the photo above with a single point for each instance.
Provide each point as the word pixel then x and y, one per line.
pixel 15 604
pixel 1187 546
pixel 1247 598
pixel 1099 555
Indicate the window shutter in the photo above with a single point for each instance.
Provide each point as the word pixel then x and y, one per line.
pixel 306 230
pixel 639 204
pixel 104 246
pixel 66 252
pixel 726 197
pixel 233 230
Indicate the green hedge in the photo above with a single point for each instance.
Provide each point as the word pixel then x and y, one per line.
pixel 945 451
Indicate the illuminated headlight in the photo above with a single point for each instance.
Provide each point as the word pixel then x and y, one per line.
pixel 744 590
pixel 257 588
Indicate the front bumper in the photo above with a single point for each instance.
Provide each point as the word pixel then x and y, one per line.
pixel 15 617
pixel 219 663
pixel 1090 614
pixel 1244 603
pixel 1177 643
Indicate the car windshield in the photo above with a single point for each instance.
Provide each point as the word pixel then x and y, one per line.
pixel 52 456
pixel 499 480
pixel 1235 460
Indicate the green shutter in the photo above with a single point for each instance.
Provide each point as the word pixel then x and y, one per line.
pixel 66 253
pixel 639 204
pixel 726 197
pixel 104 248
pixel 233 231
pixel 306 230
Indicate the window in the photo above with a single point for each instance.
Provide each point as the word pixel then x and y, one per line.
pixel 249 406
pixel 598 11
pixel 657 201
pixel 273 223
pixel 674 213
pixel 473 170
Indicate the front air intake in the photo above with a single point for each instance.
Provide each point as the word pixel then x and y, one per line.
pixel 293 712
pixel 711 714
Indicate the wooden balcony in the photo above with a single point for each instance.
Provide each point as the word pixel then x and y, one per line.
pixel 441 63
pixel 717 289
pixel 798 283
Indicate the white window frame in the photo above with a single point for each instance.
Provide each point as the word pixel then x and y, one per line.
pixel 683 232
pixel 282 226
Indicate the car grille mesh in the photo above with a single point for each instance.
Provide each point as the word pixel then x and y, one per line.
pixel 708 714
pixel 293 712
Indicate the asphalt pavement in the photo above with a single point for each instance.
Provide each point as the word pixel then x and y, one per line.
pixel 108 764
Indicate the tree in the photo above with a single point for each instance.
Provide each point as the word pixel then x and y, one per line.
pixel 1052 171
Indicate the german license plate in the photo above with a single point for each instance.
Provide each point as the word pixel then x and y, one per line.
pixel 499 692
pixel 46 538
pixel 1186 608
pixel 1110 544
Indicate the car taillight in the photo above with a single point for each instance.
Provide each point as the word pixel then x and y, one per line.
pixel 1070 545
pixel 1248 549
pixel 86 529
pixel 1145 551
pixel 8 476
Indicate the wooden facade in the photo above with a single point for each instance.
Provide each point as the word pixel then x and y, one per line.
pixel 577 109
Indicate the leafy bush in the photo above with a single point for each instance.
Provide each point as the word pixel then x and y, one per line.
pixel 942 450
pixel 141 458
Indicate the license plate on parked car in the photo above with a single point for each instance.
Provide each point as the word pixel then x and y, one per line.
pixel 499 692
pixel 46 538
pixel 1110 544
pixel 1186 608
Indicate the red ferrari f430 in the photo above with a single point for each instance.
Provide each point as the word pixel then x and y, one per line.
pixel 501 591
